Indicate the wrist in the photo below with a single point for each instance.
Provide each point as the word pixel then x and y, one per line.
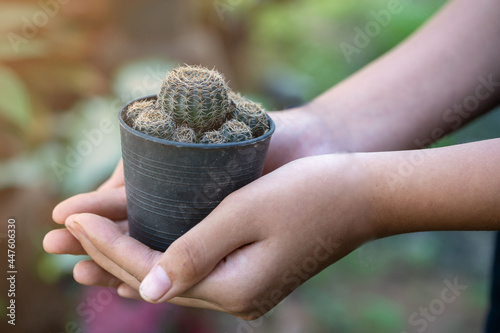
pixel 437 189
pixel 397 195
pixel 347 180
pixel 300 132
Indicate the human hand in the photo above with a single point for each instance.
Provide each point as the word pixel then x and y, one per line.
pixel 298 134
pixel 259 244
pixel 108 200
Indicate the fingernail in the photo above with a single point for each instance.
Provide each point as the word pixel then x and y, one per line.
pixel 71 225
pixel 155 284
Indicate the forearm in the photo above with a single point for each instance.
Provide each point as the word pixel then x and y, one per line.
pixel 412 95
pixel 452 188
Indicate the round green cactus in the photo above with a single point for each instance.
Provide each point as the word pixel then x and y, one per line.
pixel 235 131
pixel 184 134
pixel 213 137
pixel 253 115
pixel 150 120
pixel 196 97
pixel 135 109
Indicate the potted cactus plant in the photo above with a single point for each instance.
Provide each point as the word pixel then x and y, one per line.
pixel 185 150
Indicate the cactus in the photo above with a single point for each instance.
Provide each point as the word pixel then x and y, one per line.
pixel 195 96
pixel 235 131
pixel 184 134
pixel 135 109
pixel 253 115
pixel 237 98
pixel 213 137
pixel 152 121
pixel 196 103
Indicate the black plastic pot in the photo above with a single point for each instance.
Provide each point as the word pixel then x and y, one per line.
pixel 171 186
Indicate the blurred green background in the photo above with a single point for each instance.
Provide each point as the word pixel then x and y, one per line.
pixel 67 65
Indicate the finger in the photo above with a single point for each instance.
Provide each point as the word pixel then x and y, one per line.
pixel 88 273
pixel 126 291
pixel 92 274
pixel 104 241
pixel 130 260
pixel 116 179
pixel 194 255
pixel 111 203
pixel 61 241
pixel 196 303
pixel 236 273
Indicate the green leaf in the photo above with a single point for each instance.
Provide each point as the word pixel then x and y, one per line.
pixel 15 103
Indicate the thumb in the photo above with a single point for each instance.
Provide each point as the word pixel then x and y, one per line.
pixel 194 255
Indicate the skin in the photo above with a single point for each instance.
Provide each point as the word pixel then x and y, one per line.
pixel 319 200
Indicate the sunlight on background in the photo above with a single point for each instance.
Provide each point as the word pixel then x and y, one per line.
pixel 66 69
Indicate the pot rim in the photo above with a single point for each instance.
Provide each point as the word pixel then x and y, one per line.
pixel 124 125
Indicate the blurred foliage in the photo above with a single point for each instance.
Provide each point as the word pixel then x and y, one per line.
pixel 14 98
pixel 300 41
pixel 81 64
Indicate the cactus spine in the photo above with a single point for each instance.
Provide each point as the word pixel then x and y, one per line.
pixel 253 115
pixel 146 117
pixel 134 110
pixel 213 137
pixel 236 131
pixel 184 134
